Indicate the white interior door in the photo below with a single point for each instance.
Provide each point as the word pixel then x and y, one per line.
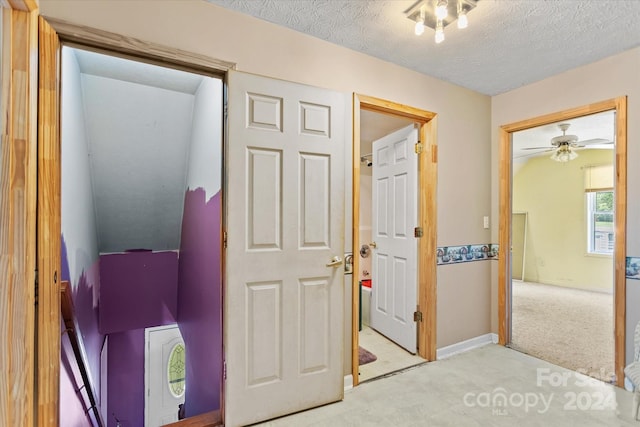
pixel 394 279
pixel 283 316
pixel 164 375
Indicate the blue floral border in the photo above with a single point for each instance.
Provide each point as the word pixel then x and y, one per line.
pixel 633 268
pixel 466 253
pixel 469 253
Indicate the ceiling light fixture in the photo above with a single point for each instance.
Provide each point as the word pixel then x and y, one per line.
pixel 439 32
pixel 564 153
pixel 437 14
pixel 441 9
pixel 463 21
pixel 419 28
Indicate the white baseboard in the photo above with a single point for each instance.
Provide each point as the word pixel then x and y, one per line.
pixel 461 347
pixel 348 382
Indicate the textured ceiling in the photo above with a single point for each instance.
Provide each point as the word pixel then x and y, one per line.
pixel 508 44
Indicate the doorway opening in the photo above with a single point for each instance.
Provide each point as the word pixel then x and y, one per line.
pixel 562 243
pixel 386 343
pixel 140 188
pixel 394 181
pixel 603 228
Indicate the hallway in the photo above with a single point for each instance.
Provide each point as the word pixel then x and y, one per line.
pixel 466 390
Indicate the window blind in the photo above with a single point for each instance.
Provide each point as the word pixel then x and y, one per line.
pixel 598 178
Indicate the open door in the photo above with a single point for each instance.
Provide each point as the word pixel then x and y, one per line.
pixel 395 248
pixel 283 314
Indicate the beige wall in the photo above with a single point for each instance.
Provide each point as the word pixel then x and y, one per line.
pixel 611 77
pixel 553 196
pixel 263 48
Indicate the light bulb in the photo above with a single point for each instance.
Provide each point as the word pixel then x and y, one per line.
pixel 419 28
pixel 441 9
pixel 463 21
pixel 439 32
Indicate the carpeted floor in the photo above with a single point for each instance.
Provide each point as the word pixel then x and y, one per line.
pixel 567 327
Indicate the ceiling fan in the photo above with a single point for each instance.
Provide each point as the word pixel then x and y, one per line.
pixel 564 146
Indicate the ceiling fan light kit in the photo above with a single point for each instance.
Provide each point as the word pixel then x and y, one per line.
pixel 437 14
pixel 564 146
pixel 564 154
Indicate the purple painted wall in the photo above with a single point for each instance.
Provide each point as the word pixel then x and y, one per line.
pixel 73 404
pixel 139 290
pixel 125 385
pixel 199 300
pixel 84 295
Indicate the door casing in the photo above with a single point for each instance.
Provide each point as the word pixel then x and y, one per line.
pixel 47 384
pixel 427 180
pixel 619 105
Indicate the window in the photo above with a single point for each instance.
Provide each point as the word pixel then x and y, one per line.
pixel 600 214
pixel 176 370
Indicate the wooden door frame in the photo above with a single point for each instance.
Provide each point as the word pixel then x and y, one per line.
pixel 49 195
pixel 18 145
pixel 427 181
pixel 619 105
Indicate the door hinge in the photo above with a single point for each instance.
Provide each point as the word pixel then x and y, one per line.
pixel 36 287
pixel 224 370
pixel 417 232
pixel 417 316
pixel 418 147
pixel 224 239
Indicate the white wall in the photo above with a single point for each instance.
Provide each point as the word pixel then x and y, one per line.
pixel 463 120
pixel 205 151
pixel 553 195
pixel 609 78
pixel 78 213
pixel 79 219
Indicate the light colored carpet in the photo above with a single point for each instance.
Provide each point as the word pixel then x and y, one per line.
pixel 568 327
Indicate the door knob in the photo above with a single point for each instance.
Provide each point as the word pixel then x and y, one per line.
pixel 373 245
pixel 335 261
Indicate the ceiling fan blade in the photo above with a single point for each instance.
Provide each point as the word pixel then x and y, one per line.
pixel 594 141
pixel 538 148
pixel 533 154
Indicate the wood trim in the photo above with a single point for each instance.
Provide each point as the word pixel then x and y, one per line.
pixel 572 113
pixel 383 106
pixel 23 5
pixel 117 44
pixel 619 105
pixel 504 270
pixel 620 289
pixel 427 289
pixel 18 217
pixel 209 419
pixel 355 221
pixel 48 230
pixel 427 177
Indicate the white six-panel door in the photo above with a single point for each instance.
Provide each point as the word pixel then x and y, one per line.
pixel 394 217
pixel 283 315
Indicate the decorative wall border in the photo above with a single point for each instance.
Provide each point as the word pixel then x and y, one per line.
pixel 632 270
pixel 466 253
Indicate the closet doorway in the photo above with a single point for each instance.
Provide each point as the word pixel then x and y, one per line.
pixel 393 234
